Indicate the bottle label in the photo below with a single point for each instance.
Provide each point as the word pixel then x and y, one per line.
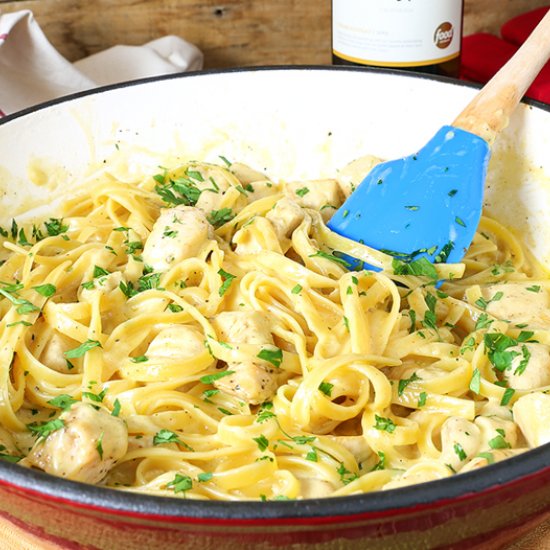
pixel 396 33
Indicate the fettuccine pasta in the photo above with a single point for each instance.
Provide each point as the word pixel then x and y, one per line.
pixel 203 334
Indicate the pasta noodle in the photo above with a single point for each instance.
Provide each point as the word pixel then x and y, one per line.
pixel 202 334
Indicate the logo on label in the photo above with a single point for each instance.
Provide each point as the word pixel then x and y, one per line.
pixel 443 35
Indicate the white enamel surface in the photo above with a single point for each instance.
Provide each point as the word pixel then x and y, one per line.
pixel 293 123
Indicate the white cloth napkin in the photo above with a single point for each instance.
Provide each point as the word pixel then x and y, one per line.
pixel 33 71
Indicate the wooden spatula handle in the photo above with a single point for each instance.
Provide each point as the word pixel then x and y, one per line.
pixel 490 110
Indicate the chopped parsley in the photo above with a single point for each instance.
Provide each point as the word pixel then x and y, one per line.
pixel 99 446
pixel 481 303
pixel 180 484
pixel 420 268
pixel 488 457
pixel 459 451
pixel 326 388
pixel 218 217
pixel 139 359
pixel 44 429
pixel 63 401
pixel 475 382
pixel 273 356
pixel 24 306
pixel 312 455
pixel 227 279
pixel 99 272
pixel 210 378
pixel 381 464
pixel 525 356
pixel 96 397
pixel 403 383
pixel 116 408
pixel 302 191
pixel 177 191
pixel 534 288
pixel 55 226
pixel 331 257
pixel 296 289
pixel 384 424
pixel 345 475
pixel 165 436
pixel 422 399
pixel 205 476
pixel 262 442
pixel 46 290
pixel 82 349
pixel 506 396
pixel 483 322
pixel 499 442
pixel 497 344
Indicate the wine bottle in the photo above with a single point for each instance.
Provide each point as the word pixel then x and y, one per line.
pixel 417 35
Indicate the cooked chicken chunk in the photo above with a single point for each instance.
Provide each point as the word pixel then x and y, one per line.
pixel 532 415
pixel 285 216
pixel 493 429
pixel 253 381
pixel 530 367
pixel 178 233
pixel 322 195
pixel 177 342
pixel 245 174
pixel 86 447
pixel 53 354
pixel 354 173
pixel 460 440
pixel 514 302
pixel 104 284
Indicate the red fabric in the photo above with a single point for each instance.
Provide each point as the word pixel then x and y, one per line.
pixel 484 54
pixel 517 30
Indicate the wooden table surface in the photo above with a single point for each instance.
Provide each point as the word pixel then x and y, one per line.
pixel 230 33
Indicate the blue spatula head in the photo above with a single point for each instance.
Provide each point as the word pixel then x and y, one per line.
pixel 428 204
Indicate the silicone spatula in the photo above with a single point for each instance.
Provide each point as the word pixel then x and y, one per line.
pixel 429 204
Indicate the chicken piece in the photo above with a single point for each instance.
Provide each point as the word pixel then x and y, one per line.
pixel 256 237
pixel 178 233
pixel 285 216
pixel 354 173
pixel 357 445
pixel 513 302
pixel 87 446
pixel 245 174
pixel 532 415
pixel 489 457
pixel 460 441
pixel 321 195
pixel 105 285
pixel 252 381
pixel 530 367
pixel 53 354
pixel 496 432
pixel 209 201
pixel 176 342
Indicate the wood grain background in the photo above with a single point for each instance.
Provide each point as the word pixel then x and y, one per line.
pixel 230 33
